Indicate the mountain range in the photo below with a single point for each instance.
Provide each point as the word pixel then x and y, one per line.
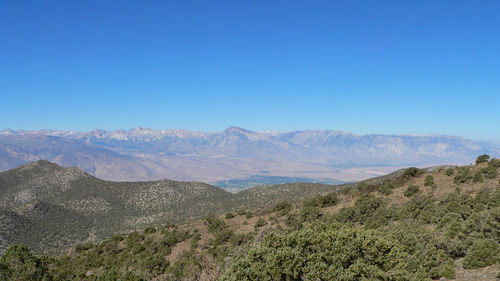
pixel 146 154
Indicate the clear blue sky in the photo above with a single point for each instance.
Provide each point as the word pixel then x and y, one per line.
pixel 360 66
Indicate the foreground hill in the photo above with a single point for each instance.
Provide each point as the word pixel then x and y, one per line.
pixel 49 208
pixel 441 223
pixel 319 155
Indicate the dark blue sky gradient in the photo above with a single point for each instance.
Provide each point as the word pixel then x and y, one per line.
pixel 360 66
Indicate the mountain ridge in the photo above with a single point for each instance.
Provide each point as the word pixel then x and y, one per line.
pixel 236 153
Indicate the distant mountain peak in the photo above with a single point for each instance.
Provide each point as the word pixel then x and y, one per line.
pixel 240 130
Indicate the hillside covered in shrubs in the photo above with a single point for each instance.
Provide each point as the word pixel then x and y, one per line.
pixel 441 223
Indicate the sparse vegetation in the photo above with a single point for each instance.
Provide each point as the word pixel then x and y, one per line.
pixel 376 234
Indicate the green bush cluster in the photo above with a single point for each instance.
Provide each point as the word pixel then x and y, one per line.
pixel 482 159
pixel 483 252
pixel 464 175
pixel 411 190
pixel 412 172
pixel 18 263
pixel 489 172
pixel 429 181
pixel 248 215
pixel 449 172
pixel 282 208
pixel 322 201
pixel 219 229
pixel 309 213
pixel 333 251
pixel 260 223
pixel 368 209
pixel 478 177
pixel 495 162
pixel 386 189
pixel 466 226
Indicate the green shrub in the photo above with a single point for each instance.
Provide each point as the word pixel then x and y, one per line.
pixel 309 213
pixel 282 208
pixel 495 163
pixel 134 237
pixel 19 264
pixel 484 252
pixel 363 187
pixel 117 238
pixel 386 189
pixel 214 224
pixel 449 172
pixel 240 239
pixel 420 208
pixel 154 264
pixel 175 236
pixel 478 177
pixel 482 159
pixel 411 190
pixel 379 218
pixel 450 218
pixel 365 206
pixel 293 222
pixel 194 240
pixel 187 263
pixel 219 230
pixel 229 216
pixel 83 247
pixel 489 172
pixel 334 252
pixel 347 190
pixel 429 180
pixel 463 175
pixel 248 215
pixel 149 230
pixel 222 236
pixel 328 200
pixel 113 275
pixel 412 172
pixel 260 223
